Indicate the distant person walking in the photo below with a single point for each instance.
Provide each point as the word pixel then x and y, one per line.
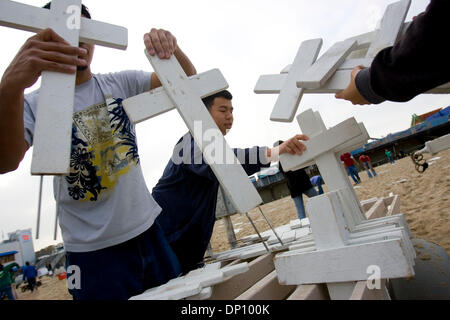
pixel 349 163
pixel 30 274
pixel 367 164
pixel 389 155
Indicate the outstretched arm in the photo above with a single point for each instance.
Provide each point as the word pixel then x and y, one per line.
pixel 417 63
pixel 292 146
pixel 164 44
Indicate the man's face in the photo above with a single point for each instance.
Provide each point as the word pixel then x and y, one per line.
pixel 222 113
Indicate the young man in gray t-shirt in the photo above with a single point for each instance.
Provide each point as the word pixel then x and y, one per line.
pixel 106 211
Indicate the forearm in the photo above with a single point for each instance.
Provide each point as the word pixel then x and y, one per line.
pixel 185 63
pixel 12 141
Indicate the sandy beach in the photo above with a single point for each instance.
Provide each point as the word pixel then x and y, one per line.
pixel 425 202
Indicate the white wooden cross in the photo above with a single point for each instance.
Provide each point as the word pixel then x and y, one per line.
pixel 53 129
pixel 331 73
pixel 185 94
pixel 339 226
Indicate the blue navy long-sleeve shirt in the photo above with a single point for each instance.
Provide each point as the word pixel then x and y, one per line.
pixel 187 193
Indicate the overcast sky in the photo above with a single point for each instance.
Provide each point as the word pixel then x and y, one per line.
pixel 244 39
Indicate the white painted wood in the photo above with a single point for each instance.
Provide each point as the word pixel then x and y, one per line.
pixel 435 146
pixel 272 84
pixel 156 102
pixel 288 236
pixel 391 27
pixel 267 289
pixel 290 96
pixel 295 224
pixel 34 19
pixel 204 294
pixel 232 177
pixel 348 64
pixel 341 291
pixel 305 222
pixel 303 232
pixel 322 143
pixel 378 210
pixel 362 292
pixel 319 73
pixel 258 269
pixel 53 129
pixel 342 264
pixel 394 206
pixel 328 223
pixel 310 292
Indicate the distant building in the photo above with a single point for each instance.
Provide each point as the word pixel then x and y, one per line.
pixel 18 248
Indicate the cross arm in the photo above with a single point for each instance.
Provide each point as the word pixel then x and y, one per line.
pixel 156 102
pixel 35 19
pixel 322 143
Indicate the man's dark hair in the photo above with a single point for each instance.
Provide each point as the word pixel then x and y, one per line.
pixel 84 10
pixel 209 101
pixel 27 263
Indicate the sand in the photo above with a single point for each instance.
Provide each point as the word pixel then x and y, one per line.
pixel 425 202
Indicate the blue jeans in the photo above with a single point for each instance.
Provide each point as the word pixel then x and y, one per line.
pixel 367 166
pixel 391 160
pixel 8 292
pixel 124 270
pixel 354 173
pixel 299 202
pixel 319 184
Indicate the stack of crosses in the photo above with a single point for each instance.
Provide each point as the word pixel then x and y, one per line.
pixel 346 245
pixel 331 73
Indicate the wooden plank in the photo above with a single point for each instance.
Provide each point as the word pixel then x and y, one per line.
pixel 53 128
pixel 362 292
pixel 322 143
pixel 230 174
pixel 258 268
pixel 378 210
pixel 341 291
pixel 319 73
pixel 343 264
pixel 267 289
pixel 34 19
pixel 272 84
pixel 328 223
pixel 391 27
pixel 348 64
pixel 394 207
pixel 310 292
pixel 290 96
pixel 156 102
pixel 367 204
pixel 438 145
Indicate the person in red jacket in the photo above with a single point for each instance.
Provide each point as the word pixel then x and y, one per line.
pixel 367 163
pixel 349 163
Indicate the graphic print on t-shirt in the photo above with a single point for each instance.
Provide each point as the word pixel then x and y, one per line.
pixel 103 149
